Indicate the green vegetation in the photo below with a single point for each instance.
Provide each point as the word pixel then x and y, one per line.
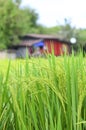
pixel 43 94
pixel 15 22
pixel 9 25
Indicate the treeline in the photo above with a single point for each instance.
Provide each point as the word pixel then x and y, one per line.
pixel 16 21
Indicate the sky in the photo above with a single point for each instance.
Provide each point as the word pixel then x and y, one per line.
pixel 53 12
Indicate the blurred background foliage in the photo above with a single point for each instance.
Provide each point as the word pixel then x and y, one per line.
pixel 16 21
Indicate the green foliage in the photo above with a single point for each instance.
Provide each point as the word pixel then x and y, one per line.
pixel 82 36
pixel 9 24
pixel 15 22
pixel 67 31
pixel 50 30
pixel 18 2
pixel 29 20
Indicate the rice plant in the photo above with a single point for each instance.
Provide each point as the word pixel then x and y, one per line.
pixel 43 94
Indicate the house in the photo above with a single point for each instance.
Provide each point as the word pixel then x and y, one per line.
pixel 39 44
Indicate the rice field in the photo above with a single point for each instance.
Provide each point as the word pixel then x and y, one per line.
pixel 43 94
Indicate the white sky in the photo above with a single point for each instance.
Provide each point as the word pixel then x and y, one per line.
pixel 53 12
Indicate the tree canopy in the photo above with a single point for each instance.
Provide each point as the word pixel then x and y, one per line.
pixel 15 21
pixel 9 25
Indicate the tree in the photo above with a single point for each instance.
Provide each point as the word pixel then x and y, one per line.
pixel 29 20
pixel 82 39
pixel 15 22
pixel 67 31
pixel 9 23
pixel 17 2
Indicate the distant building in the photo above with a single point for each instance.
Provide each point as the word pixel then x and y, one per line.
pixel 39 44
